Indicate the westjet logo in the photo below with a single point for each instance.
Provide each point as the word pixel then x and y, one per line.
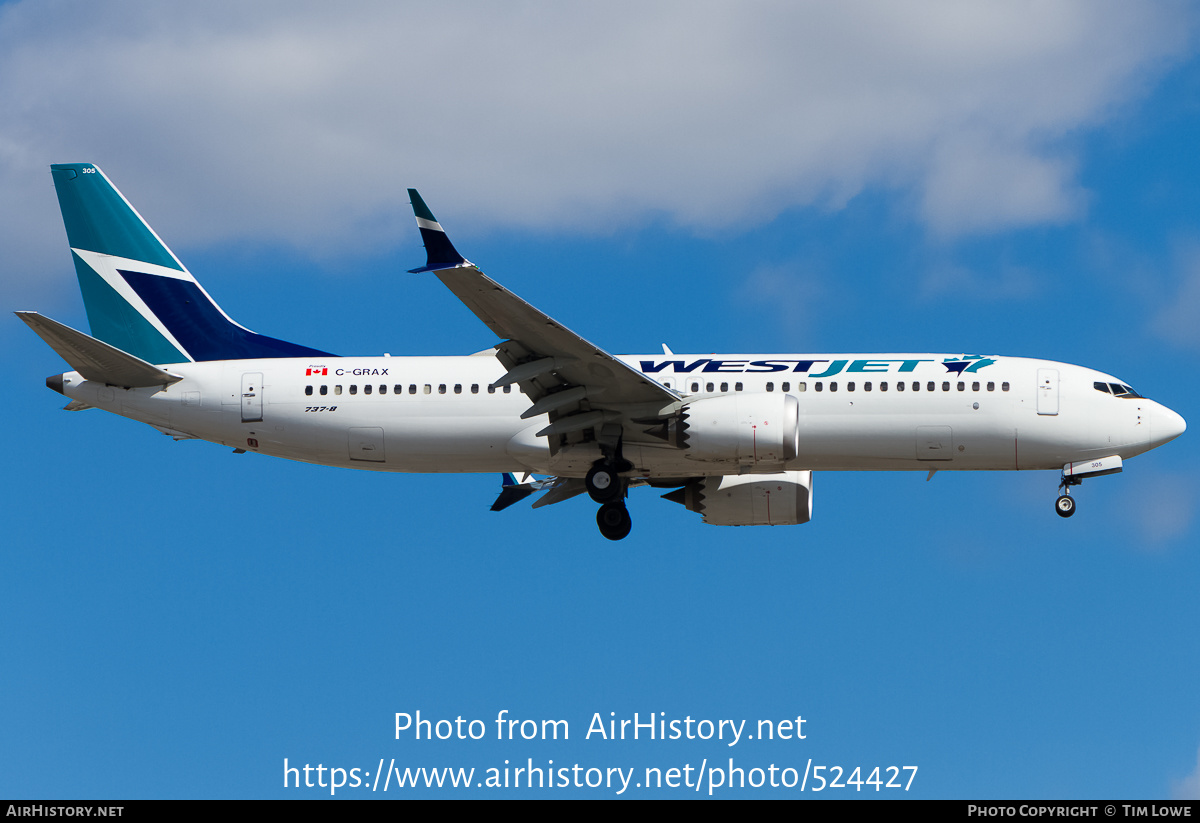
pixel 966 363
pixel 812 368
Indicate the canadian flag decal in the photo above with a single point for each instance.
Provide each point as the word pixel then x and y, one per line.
pixel 317 370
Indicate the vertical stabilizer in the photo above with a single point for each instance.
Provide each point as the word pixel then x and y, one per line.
pixel 139 297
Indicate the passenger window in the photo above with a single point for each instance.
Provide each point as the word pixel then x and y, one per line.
pixel 850 386
pixel 709 387
pixel 458 388
pixel 428 389
pixel 946 386
pixel 974 387
pixel 1004 386
pixel 695 388
pixel 398 389
pixel 833 385
pixel 788 386
pixel 916 385
pixel 962 386
pixel 366 389
pixel 324 390
pixel 991 385
pixel 929 386
pixel 770 387
pixel 799 387
pixel 819 386
pixel 383 389
pixel 354 388
pixel 337 389
pixel 491 389
pixel 867 386
pixel 508 389
pixel 737 386
pixel 412 388
pixel 899 385
pixel 474 388
pixel 724 387
pixel 308 391
pixel 441 388
pixel 883 386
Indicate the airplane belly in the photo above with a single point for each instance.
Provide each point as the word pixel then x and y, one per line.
pixel 450 443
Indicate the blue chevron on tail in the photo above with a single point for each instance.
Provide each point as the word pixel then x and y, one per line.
pixel 139 297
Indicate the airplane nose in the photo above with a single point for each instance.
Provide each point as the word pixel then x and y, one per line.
pixel 1165 425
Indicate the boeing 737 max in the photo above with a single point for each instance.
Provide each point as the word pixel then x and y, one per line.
pixel 736 436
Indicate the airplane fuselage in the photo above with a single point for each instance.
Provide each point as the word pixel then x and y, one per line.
pixel 738 437
pixel 857 412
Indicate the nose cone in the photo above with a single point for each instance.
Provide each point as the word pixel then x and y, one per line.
pixel 55 381
pixel 1165 425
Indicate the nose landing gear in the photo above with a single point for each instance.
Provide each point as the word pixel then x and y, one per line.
pixel 1064 506
pixel 1073 474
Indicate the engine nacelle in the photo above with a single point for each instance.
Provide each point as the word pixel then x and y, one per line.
pixel 782 499
pixel 751 429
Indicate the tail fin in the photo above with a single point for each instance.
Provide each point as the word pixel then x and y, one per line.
pixel 139 297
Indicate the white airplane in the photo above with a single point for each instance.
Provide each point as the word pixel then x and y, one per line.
pixel 737 436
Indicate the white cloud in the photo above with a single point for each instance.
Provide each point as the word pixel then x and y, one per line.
pixel 303 123
pixel 1164 505
pixel 1176 321
pixel 1005 282
pixel 1189 787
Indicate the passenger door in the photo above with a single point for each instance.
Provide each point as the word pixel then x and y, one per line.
pixel 252 405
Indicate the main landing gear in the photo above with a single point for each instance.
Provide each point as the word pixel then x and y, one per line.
pixel 606 486
pixel 614 521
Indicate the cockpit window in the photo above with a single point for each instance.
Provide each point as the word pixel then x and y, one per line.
pixel 1123 391
pixel 1117 389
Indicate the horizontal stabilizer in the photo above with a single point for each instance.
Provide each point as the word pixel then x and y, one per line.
pixel 511 492
pixel 563 488
pixel 95 359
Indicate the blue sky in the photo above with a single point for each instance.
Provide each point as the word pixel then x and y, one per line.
pixel 178 620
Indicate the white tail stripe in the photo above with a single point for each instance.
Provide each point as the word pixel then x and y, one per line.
pixel 106 266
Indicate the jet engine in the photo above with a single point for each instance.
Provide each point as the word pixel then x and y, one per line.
pixel 782 499
pixel 751 429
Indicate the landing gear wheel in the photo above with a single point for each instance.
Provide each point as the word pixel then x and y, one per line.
pixel 614 521
pixel 1065 505
pixel 603 484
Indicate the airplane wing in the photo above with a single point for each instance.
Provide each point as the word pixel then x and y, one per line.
pixel 579 385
